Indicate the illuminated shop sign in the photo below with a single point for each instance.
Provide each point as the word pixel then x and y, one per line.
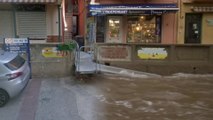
pixel 148 11
pixel 132 9
pixel 113 12
pixel 119 6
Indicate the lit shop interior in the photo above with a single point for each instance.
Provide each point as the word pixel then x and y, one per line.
pixel 129 29
pixel 137 23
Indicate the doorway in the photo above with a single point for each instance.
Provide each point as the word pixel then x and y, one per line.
pixel 193 28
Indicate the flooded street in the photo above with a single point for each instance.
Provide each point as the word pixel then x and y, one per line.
pixel 115 97
pixel 177 97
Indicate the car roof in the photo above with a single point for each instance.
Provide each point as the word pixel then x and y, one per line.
pixel 6 56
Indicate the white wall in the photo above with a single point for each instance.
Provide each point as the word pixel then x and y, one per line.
pixel 52 20
pixel 6 25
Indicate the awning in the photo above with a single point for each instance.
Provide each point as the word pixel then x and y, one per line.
pixel 28 1
pixel 132 9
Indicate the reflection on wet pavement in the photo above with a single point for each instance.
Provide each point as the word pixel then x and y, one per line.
pixel 178 97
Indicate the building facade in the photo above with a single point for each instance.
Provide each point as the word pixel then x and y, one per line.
pixel 38 20
pixel 195 22
pixel 119 21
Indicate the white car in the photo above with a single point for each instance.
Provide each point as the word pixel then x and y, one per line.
pixel 14 75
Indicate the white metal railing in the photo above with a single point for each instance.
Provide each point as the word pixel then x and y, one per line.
pixel 87 49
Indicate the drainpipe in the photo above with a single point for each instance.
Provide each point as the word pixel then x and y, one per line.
pixel 180 18
pixel 64 24
pixel 59 23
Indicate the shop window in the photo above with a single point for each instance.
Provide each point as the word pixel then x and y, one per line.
pixel 143 29
pixel 114 29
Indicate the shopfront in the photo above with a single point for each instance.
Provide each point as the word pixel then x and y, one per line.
pixel 134 23
pixel 195 22
pixel 33 19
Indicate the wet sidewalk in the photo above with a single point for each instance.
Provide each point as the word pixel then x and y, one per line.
pixel 52 99
pixel 114 97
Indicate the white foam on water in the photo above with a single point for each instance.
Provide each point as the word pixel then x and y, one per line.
pixel 124 103
pixel 186 75
pixel 126 72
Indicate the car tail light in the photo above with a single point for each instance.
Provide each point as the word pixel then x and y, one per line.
pixel 14 75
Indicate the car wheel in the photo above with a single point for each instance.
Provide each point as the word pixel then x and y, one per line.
pixel 4 97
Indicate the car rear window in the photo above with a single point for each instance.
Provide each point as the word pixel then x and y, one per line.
pixel 16 63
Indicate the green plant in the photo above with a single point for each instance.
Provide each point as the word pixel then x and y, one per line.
pixel 66 47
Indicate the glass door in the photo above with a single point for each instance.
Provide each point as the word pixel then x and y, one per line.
pixel 114 29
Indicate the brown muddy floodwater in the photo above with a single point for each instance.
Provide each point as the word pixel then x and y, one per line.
pixel 176 97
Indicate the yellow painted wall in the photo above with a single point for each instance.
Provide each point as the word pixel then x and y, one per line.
pixel 184 8
pixel 207 29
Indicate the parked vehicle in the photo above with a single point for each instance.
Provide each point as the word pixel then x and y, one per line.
pixel 14 75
